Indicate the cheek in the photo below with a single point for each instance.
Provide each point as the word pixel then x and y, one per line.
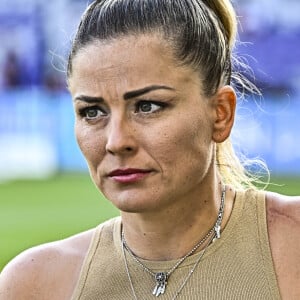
pixel 193 156
pixel 90 144
pixel 183 144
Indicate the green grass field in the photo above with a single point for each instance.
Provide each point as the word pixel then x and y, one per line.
pixel 34 212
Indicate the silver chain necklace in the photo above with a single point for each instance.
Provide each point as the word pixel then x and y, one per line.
pixel 161 278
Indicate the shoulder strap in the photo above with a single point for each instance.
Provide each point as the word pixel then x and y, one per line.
pixel 95 241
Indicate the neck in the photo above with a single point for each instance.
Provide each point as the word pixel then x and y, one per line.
pixel 171 233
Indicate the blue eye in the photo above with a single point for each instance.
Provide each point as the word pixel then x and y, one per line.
pixel 148 107
pixel 91 113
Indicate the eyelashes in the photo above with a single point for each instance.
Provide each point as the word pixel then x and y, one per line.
pixel 91 112
pixel 141 107
pixel 148 107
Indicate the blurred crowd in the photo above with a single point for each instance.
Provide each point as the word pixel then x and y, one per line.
pixel 35 38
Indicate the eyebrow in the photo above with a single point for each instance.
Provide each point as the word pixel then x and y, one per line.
pixel 127 96
pixel 89 99
pixel 136 93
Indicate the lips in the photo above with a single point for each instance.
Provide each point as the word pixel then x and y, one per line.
pixel 128 175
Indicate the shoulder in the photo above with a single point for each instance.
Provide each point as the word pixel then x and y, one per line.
pixel 283 211
pixel 48 271
pixel 283 218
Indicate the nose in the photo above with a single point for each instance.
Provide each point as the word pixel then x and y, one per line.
pixel 121 138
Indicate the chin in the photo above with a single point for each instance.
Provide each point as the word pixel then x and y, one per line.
pixel 126 198
pixel 132 203
pixel 131 206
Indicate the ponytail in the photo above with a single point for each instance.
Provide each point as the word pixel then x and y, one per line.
pixel 225 13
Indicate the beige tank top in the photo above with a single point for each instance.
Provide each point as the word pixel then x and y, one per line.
pixel 237 266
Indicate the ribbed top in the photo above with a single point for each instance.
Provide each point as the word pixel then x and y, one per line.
pixel 237 266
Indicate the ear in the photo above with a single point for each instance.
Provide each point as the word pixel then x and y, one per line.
pixel 224 102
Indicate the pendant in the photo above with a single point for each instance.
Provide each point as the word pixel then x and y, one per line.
pixel 218 231
pixel 161 282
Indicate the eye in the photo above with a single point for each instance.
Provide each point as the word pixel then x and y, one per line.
pixel 147 107
pixel 91 113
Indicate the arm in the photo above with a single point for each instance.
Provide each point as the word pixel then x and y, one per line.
pixel 30 274
pixel 283 215
pixel 45 272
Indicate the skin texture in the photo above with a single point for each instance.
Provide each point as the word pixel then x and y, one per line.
pixel 170 132
pixel 284 227
pixel 124 136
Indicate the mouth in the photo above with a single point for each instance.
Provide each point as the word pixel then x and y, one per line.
pixel 128 175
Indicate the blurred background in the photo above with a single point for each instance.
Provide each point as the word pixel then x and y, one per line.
pixel 45 190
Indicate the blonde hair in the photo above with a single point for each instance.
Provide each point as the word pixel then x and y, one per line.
pixel 234 170
pixel 225 12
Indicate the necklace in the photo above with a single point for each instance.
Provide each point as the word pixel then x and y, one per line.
pixel 161 278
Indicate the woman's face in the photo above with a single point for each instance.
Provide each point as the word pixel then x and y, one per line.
pixel 142 123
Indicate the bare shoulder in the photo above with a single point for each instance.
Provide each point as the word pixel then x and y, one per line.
pixel 283 213
pixel 48 271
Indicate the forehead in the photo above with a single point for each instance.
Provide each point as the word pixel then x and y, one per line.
pixel 132 61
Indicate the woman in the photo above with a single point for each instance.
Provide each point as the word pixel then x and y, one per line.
pixel 150 81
